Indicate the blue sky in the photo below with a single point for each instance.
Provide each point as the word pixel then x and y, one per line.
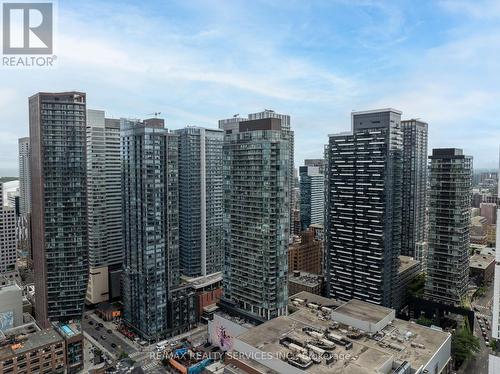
pixel 199 61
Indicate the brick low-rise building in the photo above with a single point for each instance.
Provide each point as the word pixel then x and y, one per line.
pixel 482 268
pixel 306 254
pixel 28 349
pixel 301 281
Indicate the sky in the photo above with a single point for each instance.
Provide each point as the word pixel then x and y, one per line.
pixel 200 61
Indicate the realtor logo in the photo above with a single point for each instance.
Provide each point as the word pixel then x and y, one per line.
pixel 27 28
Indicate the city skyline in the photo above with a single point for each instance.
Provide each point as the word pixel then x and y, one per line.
pixel 309 57
pixel 250 186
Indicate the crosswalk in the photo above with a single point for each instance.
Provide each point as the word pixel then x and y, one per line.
pixel 135 354
pixel 151 365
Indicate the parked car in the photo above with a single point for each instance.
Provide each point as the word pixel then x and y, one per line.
pixel 101 325
pixel 109 331
pixel 91 322
pixel 103 337
pixel 113 345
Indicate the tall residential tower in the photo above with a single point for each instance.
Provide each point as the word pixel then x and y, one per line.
pixel 312 196
pixel 59 204
pixel 363 208
pixel 150 224
pixel 24 176
pixel 414 198
pixel 257 174
pixel 450 195
pixel 8 245
pixel 495 318
pixel 200 200
pixel 104 207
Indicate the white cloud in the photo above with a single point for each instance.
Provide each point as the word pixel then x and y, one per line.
pixel 235 62
pixel 480 9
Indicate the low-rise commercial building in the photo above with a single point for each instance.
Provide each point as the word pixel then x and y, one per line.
pixel 408 269
pixel 482 268
pixel 479 230
pixel 11 304
pixel 306 254
pixel 356 337
pixel 207 289
pixel 28 349
pixel 489 211
pixel 299 281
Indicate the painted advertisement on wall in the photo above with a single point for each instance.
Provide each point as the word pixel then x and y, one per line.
pixel 222 331
pixel 6 320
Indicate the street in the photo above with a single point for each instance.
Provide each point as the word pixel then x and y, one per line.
pixel 479 364
pixel 107 340
pixel 114 344
pixel 141 355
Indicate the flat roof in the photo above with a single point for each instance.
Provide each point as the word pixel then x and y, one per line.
pixel 367 354
pixel 305 279
pixel 382 110
pixel 364 311
pixel 35 338
pixel 316 299
pixel 406 262
pixel 203 281
pixel 481 261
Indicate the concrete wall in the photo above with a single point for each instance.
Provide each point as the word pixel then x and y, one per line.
pixel 11 306
pixel 221 332
pixel 364 325
pixel 441 358
pixel 98 288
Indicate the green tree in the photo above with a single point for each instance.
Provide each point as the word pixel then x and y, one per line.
pixel 424 321
pixel 416 286
pixel 493 344
pixel 464 345
pixel 123 355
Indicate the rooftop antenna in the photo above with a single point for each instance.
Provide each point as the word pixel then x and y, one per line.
pixel 156 114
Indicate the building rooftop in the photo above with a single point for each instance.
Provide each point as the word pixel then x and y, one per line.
pixel 364 311
pixel 304 278
pixel 397 342
pixel 406 262
pixel 308 297
pixel 481 261
pixel 478 221
pixel 382 110
pixel 26 338
pixel 68 329
pixel 203 281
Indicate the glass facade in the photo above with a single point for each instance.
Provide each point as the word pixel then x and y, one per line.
pixel 312 196
pixel 363 208
pixel 59 205
pixel 450 177
pixel 414 198
pixel 150 223
pixel 257 218
pixel 200 200
pixel 104 190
